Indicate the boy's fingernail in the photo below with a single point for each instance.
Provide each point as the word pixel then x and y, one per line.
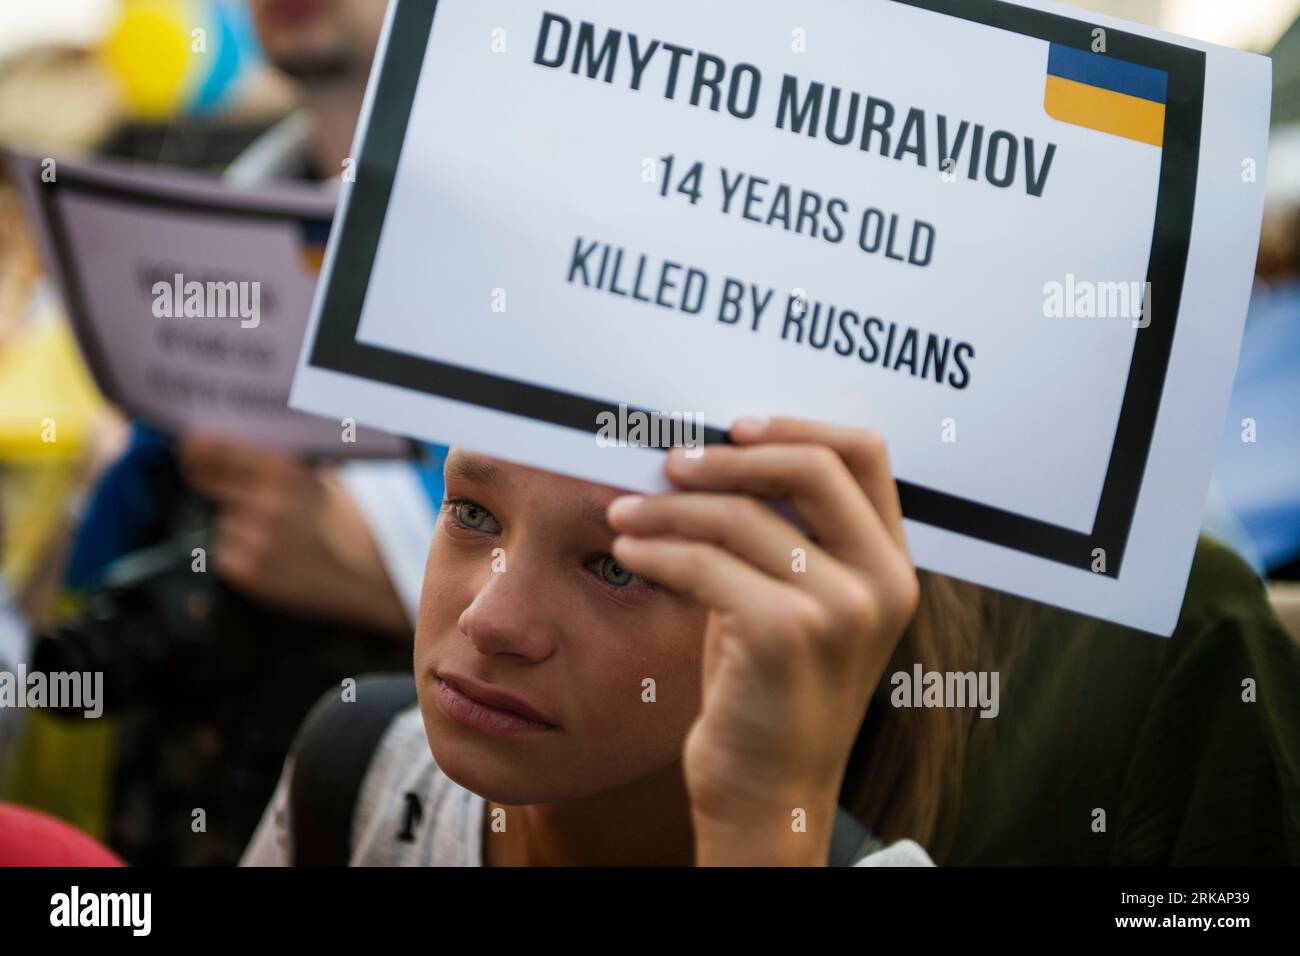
pixel 685 457
pixel 753 425
pixel 622 507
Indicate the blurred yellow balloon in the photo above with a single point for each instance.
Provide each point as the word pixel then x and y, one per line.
pixel 149 52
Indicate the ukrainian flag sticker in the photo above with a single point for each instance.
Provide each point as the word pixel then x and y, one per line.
pixel 311 250
pixel 1105 94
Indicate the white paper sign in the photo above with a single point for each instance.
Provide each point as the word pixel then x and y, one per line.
pixel 1017 243
pixel 189 299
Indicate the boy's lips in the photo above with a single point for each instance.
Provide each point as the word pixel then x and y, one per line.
pixel 477 703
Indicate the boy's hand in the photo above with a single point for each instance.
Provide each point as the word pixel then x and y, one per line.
pixel 800 630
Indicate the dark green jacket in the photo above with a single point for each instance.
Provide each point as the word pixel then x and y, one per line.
pixel 1153 731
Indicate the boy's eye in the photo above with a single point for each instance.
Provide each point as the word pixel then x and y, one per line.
pixel 472 516
pixel 614 573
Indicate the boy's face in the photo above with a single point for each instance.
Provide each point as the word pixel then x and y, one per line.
pixel 521 596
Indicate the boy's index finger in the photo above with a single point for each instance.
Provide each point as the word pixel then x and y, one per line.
pixel 815 480
pixel 864 452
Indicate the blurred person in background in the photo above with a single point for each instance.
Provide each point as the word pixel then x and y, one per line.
pixel 346 543
pixel 325 47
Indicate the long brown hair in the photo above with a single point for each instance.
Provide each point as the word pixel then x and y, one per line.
pixel 904 775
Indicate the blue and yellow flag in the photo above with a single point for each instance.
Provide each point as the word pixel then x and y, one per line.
pixel 1105 94
pixel 311 252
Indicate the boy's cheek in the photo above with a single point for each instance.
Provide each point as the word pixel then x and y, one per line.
pixel 444 597
pixel 654 697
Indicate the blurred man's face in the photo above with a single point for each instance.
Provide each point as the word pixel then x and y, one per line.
pixel 319 39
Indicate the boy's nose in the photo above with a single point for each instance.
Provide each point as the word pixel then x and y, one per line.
pixel 508 617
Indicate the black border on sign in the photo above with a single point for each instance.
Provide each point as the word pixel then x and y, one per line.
pixel 336 347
